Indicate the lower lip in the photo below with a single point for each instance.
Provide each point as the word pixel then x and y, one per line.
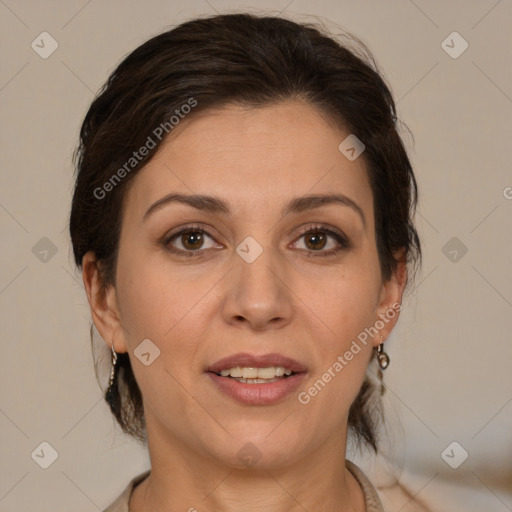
pixel 258 394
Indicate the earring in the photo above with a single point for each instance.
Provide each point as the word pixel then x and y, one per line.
pixel 382 357
pixel 111 380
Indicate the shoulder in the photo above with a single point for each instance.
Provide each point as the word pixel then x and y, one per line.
pixel 373 503
pixel 391 498
pixel 396 497
pixel 380 499
pixel 122 501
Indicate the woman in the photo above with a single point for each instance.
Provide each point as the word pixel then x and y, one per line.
pixel 243 220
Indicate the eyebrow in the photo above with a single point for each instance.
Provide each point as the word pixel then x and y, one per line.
pixel 215 205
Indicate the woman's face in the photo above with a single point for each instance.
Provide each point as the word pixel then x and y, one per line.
pixel 253 283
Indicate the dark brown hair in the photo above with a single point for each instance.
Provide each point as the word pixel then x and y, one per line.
pixel 251 61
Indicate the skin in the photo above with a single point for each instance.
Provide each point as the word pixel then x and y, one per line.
pixel 289 300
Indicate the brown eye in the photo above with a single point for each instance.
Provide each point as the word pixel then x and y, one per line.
pixel 189 241
pixel 315 240
pixel 192 240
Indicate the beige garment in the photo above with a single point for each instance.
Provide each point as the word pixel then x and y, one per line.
pixel 373 503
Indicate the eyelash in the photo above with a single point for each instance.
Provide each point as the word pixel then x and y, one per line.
pixel 338 236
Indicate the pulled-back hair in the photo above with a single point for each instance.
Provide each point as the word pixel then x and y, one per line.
pixel 252 61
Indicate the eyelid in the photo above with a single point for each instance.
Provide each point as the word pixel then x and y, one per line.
pixel 168 238
pixel 340 237
pixel 323 227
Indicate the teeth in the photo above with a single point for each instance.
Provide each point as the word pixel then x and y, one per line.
pixel 262 373
pixel 257 381
pixel 270 372
pixel 237 372
pixel 250 373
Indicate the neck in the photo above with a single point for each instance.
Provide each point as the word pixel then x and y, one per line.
pixel 182 479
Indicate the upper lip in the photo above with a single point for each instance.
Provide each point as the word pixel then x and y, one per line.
pixel 245 359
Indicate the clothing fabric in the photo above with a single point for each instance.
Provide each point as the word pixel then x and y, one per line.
pixel 373 503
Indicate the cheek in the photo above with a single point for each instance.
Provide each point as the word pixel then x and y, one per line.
pixel 347 302
pixel 346 309
pixel 151 297
pixel 165 305
pixel 342 361
pixel 348 343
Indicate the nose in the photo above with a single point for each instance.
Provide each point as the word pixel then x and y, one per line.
pixel 258 294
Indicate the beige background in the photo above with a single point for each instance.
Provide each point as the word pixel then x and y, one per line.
pixel 450 377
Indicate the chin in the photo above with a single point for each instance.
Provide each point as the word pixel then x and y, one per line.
pixel 261 451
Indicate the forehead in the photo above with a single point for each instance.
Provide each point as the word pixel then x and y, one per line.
pixel 252 156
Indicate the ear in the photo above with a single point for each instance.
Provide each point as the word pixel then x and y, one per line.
pixel 390 303
pixel 103 303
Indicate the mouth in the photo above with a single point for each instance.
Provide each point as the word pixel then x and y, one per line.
pixel 253 375
pixel 257 380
